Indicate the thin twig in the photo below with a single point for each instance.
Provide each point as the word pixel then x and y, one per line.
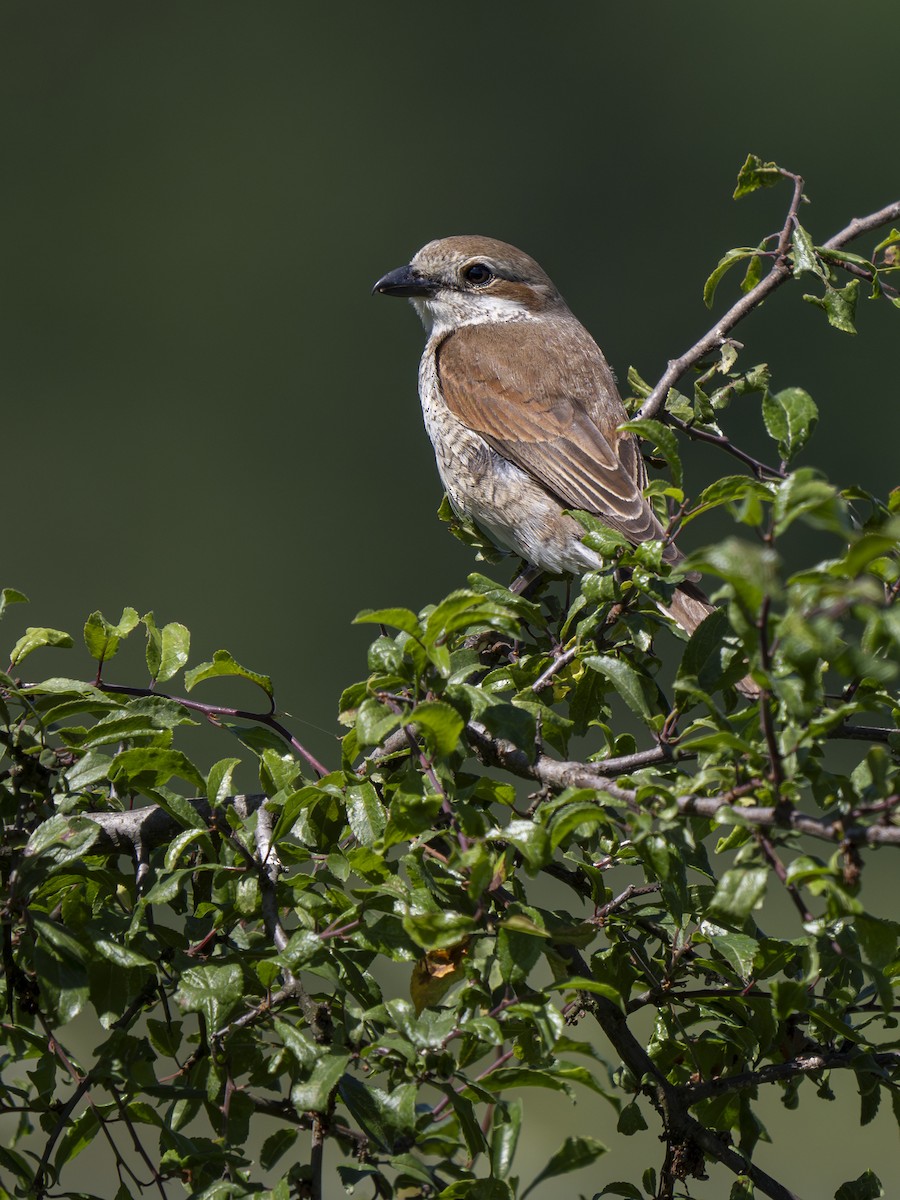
pixel 317 1155
pixel 760 469
pixel 803 1064
pixel 633 889
pixel 214 711
pixel 780 273
pixel 558 663
pixel 778 867
pixel 765 711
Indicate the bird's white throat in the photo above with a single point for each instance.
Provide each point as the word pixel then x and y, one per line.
pixel 450 310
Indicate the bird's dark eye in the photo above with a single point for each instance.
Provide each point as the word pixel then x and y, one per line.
pixel 478 274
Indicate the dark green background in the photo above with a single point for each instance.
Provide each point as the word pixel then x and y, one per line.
pixel 206 413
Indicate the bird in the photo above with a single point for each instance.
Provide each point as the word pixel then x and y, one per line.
pixel 524 415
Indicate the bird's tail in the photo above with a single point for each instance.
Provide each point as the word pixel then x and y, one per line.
pixel 689 607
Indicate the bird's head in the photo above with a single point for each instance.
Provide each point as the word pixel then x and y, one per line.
pixel 470 280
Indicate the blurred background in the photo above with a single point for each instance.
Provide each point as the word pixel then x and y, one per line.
pixel 208 415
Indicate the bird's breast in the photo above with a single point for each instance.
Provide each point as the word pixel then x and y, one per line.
pixel 507 503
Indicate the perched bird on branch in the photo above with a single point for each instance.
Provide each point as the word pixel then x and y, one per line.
pixel 523 411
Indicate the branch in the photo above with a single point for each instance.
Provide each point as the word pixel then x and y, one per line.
pixel 760 469
pixel 220 710
pixel 828 829
pixel 863 733
pixel 781 271
pixel 559 774
pixel 672 1107
pixel 152 826
pixel 804 1064
pixel 860 225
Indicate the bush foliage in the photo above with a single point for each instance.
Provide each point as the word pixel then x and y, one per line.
pixel 552 815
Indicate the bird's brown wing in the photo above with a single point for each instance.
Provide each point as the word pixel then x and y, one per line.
pixel 548 403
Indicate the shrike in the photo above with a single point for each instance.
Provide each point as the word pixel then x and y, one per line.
pixel 523 411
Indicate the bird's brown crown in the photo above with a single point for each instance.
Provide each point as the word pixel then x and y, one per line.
pixel 484 265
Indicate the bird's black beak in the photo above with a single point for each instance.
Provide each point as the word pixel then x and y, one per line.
pixel 404 282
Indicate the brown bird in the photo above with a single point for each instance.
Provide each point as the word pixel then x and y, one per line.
pixel 523 411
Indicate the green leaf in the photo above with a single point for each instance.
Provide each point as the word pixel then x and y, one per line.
pixel 839 305
pixel 397 618
pixel 892 238
pixel 805 256
pixel 63 839
pixel 805 495
pixel 465 609
pixel 477 1189
pixel 211 990
pixel 740 890
pixel 121 956
pixel 439 724
pixel 878 939
pixel 10 596
pixel 529 838
pixel 314 1095
pixel 437 930
pixel 731 489
pixel 631 1120
pixel 102 638
pixel 738 949
pixel 790 416
pixel 506 1126
pixel 63 942
pixel 662 437
pixel 375 721
pixel 145 716
pixel 365 813
pixel 751 570
pixel 472 1133
pixel 638 692
pixel 79 1133
pixel 724 266
pixel 302 947
pixel 386 1117
pixel 35 637
pixel 753 274
pixel 578 815
pixel 574 1154
pixel 518 951
pixel 756 174
pixel 151 767
pixel 708 659
pixel 167 648
pixel 224 664
pixel 276 1145
pixel 866 1187
pixel 863 552
pixel 59 961
pixel 219 781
